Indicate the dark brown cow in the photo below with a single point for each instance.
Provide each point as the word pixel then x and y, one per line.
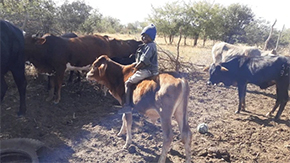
pixel 161 96
pixel 54 55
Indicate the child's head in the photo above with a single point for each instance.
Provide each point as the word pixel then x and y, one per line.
pixel 148 33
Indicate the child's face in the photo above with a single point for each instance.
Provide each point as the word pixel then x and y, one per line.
pixel 146 39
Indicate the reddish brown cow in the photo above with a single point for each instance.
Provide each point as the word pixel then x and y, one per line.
pixel 161 96
pixel 54 55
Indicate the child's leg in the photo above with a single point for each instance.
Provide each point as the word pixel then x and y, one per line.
pixel 134 79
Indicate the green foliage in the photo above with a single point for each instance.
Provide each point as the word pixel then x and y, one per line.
pixel 236 18
pixel 92 23
pixel 31 16
pixel 72 15
pixel 256 32
pixel 207 20
pixel 168 19
pixel 110 25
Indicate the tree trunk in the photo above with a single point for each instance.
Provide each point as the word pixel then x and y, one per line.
pixel 195 40
pixel 171 39
pixel 204 40
pixel 184 41
pixel 165 39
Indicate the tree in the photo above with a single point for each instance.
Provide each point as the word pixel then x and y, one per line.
pixel 92 23
pixel 72 15
pixel 207 20
pixel 168 19
pixel 31 15
pixel 110 25
pixel 236 18
pixel 256 32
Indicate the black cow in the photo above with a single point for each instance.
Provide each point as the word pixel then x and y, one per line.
pixel 262 71
pixel 13 59
pixel 125 60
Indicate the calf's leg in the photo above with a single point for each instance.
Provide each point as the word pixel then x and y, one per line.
pixel 186 135
pixel 126 126
pixel 167 137
pixel 123 129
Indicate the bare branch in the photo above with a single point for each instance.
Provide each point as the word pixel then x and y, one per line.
pixel 270 35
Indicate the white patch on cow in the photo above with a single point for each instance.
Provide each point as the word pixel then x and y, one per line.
pixel 48 74
pixel 69 67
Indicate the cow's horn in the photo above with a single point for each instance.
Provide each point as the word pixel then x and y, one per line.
pixel 224 69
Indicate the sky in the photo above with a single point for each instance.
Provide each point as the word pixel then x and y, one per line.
pixel 130 11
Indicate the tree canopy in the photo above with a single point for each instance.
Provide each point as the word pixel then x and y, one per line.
pixel 203 20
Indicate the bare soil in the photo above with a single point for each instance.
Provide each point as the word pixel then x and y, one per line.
pixel 83 126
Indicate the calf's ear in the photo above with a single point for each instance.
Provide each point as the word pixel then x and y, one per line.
pixel 102 69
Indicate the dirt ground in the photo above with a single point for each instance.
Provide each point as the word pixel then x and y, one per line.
pixel 83 126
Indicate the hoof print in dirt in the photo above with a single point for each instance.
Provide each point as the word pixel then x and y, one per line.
pixel 132 149
pixel 216 153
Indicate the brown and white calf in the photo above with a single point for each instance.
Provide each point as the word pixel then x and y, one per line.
pixel 162 96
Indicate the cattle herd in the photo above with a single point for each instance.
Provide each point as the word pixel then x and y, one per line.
pixel 109 62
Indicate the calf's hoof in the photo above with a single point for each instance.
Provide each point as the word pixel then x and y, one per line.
pixel 126 146
pixel 120 134
pixel 56 101
pixel 269 114
pixel 237 112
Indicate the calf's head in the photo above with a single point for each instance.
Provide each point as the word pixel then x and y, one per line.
pixel 98 69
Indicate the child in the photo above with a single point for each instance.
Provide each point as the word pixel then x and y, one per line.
pixel 147 64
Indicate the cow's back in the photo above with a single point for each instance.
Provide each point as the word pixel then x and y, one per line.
pixel 221 51
pixel 86 49
pixel 152 92
pixel 267 68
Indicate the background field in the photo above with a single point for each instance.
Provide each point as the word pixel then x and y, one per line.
pixel 83 126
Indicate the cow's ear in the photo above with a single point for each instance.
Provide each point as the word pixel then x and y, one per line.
pixel 206 69
pixel 40 41
pixel 224 69
pixel 102 69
